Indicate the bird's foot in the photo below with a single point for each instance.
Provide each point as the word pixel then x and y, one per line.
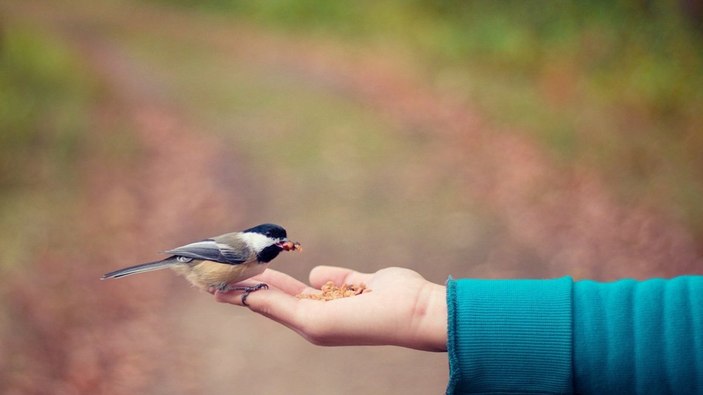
pixel 245 289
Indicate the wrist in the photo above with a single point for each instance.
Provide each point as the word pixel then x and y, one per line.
pixel 431 318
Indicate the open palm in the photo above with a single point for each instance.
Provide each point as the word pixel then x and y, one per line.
pixel 402 308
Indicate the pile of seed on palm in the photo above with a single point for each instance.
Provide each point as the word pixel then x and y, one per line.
pixel 330 291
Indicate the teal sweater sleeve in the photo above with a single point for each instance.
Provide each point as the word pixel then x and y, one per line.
pixel 559 337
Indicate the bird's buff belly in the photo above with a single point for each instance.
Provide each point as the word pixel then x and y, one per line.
pixel 206 274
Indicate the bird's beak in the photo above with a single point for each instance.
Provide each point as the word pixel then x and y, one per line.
pixel 287 245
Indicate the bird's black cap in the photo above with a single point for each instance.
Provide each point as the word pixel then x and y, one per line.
pixel 269 230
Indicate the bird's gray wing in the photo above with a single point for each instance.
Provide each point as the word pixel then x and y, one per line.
pixel 211 250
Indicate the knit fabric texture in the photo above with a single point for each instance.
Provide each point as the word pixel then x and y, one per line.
pixel 510 336
pixel 556 336
pixel 643 337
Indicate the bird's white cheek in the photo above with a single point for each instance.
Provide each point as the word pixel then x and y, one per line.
pixel 256 241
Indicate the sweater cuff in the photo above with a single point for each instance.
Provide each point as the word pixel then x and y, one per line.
pixel 509 336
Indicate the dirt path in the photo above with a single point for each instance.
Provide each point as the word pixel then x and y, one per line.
pixel 154 335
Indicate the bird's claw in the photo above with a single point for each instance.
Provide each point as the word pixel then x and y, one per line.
pixel 245 289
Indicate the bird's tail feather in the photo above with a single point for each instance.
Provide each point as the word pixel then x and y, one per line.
pixel 142 268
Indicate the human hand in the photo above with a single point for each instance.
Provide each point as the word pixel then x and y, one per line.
pixel 402 309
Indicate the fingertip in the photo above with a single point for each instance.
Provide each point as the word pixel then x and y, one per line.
pixel 319 275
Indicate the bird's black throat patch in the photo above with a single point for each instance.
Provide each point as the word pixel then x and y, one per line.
pixel 267 254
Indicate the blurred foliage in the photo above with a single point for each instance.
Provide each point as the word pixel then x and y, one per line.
pixel 616 86
pixel 648 49
pixel 43 100
pixel 43 95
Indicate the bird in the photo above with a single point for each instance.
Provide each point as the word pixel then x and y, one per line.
pixel 220 262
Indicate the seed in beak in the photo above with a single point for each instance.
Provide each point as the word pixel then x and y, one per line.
pixel 290 246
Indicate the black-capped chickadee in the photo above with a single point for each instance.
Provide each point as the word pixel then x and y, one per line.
pixel 222 261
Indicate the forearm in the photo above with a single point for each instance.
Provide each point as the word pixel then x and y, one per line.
pixel 623 337
pixel 639 337
pixel 509 336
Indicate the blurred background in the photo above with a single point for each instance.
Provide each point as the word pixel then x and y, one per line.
pixel 467 138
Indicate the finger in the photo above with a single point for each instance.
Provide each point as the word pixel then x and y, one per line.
pixel 338 275
pixel 272 303
pixel 282 281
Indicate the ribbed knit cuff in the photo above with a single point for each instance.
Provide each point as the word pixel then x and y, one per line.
pixel 510 336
